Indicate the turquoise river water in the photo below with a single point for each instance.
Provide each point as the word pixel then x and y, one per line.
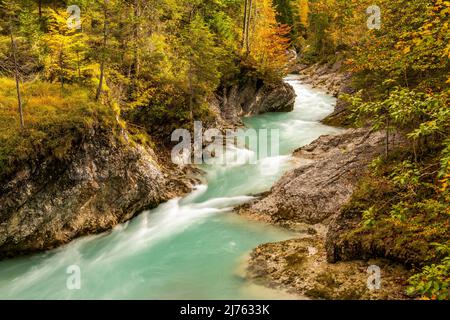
pixel 191 248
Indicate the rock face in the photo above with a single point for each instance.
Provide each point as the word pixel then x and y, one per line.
pixel 324 181
pixel 255 97
pixel 105 181
pixel 339 249
pixel 309 200
pixel 329 77
pixel 300 267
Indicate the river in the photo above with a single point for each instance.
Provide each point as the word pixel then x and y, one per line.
pixel 191 248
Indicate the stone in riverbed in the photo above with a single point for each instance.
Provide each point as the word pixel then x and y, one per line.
pixel 315 192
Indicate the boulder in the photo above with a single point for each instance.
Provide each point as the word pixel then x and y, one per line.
pixel 104 181
pixel 324 180
pixel 254 97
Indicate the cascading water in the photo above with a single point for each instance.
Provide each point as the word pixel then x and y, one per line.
pixel 188 248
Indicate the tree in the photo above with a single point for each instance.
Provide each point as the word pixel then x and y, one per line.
pixel 304 12
pixel 249 19
pixel 202 69
pixel 66 47
pixel 269 42
pixel 244 25
pixel 104 48
pixel 10 9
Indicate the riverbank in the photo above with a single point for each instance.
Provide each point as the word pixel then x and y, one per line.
pixel 300 267
pixel 309 199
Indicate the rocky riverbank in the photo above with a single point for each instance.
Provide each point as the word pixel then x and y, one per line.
pixel 335 81
pixel 331 78
pixel 105 180
pixel 310 200
pixel 324 180
pixel 299 266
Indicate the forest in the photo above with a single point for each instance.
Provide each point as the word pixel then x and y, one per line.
pixel 151 66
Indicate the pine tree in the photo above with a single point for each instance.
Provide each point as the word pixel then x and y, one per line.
pixel 103 57
pixel 65 45
pixel 201 54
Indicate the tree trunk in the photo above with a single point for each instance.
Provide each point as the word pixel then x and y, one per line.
pixel 40 19
pixel 16 77
pixel 78 66
pixel 387 136
pixel 100 83
pixel 136 59
pixel 105 42
pixel 248 25
pixel 191 94
pixel 61 67
pixel 244 28
pixel 40 9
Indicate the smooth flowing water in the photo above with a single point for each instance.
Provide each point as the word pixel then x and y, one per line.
pixel 191 248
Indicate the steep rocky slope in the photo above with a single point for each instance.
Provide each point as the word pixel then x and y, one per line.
pixel 309 199
pixel 328 172
pixel 104 180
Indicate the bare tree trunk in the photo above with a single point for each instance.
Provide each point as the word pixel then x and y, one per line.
pixel 136 60
pixel 248 25
pixel 78 66
pixel 100 83
pixel 255 18
pixel 387 136
pixel 61 69
pixel 105 42
pixel 16 77
pixel 191 93
pixel 244 28
pixel 40 9
pixel 406 77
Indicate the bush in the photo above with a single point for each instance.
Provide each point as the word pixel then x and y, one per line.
pixel 434 280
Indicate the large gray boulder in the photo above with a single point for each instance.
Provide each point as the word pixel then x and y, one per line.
pixel 253 97
pixel 327 174
pixel 104 181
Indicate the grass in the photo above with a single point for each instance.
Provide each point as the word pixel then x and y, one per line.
pixel 55 119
